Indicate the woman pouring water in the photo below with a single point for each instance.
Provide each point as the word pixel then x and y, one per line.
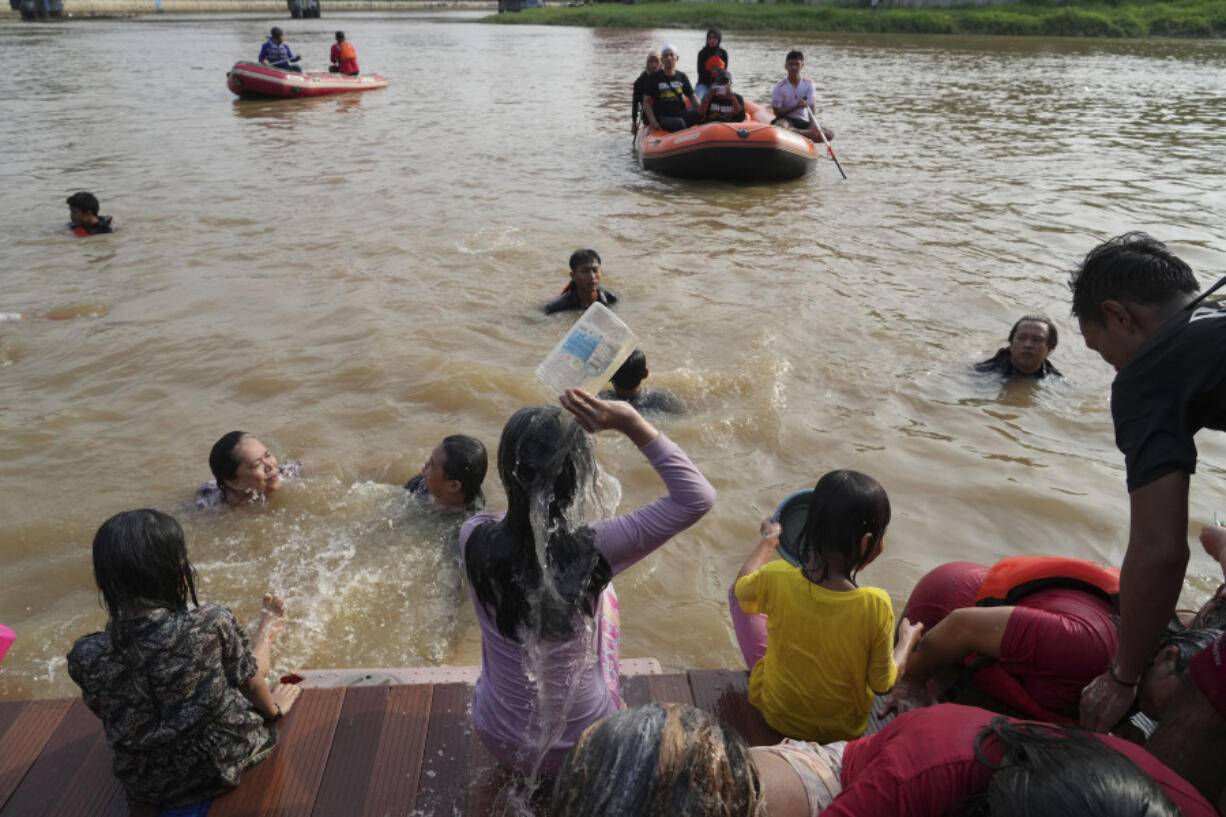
pixel 539 575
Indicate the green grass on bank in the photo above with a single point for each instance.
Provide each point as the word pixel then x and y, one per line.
pixel 1156 18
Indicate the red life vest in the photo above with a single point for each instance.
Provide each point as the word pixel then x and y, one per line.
pixel 347 51
pixel 1011 580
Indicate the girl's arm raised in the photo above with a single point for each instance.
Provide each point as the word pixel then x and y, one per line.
pixel 765 551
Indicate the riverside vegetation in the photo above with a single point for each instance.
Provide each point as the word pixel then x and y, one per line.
pixel 1146 18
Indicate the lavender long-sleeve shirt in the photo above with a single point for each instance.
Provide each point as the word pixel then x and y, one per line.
pixel 506 699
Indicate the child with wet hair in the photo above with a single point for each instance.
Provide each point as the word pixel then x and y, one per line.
pixel 180 692
pixel 818 646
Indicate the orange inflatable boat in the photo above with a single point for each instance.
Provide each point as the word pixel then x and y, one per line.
pixel 753 149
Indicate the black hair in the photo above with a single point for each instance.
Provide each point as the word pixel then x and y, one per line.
pixel 465 460
pixel 794 54
pixel 658 759
pixel 1188 642
pixel 581 256
pixel 1048 769
pixel 221 459
pixel 1132 267
pixel 631 373
pixel 1053 337
pixel 545 462
pixel 340 36
pixel 84 201
pixel 140 563
pixel 845 505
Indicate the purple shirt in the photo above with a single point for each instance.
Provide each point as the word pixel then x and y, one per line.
pixel 506 699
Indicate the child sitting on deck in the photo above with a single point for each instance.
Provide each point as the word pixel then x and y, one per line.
pixel 181 695
pixel 818 646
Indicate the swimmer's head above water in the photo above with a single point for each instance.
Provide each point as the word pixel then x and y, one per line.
pixel 243 467
pixel 454 472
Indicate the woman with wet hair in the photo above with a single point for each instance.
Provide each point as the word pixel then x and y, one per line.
pixel 243 471
pixel 539 575
pixel 949 759
pixel 180 691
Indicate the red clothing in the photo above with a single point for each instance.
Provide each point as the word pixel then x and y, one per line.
pixel 1055 643
pixel 923 761
pixel 346 66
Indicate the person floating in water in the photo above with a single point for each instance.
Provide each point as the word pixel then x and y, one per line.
pixel 451 479
pixel 1031 340
pixel 627 385
pixel 584 288
pixel 243 471
pixel 344 57
pixel 83 213
pixel 276 53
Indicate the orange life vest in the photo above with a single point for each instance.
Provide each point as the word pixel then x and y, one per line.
pixel 347 51
pixel 1014 578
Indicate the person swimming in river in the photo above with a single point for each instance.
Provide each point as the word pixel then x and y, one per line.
pixel 627 385
pixel 450 481
pixel 818 646
pixel 83 215
pixel 243 471
pixel 539 575
pixel 584 288
pixel 1031 341
pixel 181 694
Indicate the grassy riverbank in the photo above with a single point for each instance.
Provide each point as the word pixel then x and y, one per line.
pixel 1156 18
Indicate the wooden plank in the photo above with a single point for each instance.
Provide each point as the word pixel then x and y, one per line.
pixel 30 725
pixel 398 756
pixel 725 694
pixel 347 775
pixel 670 689
pixel 62 754
pixel 286 783
pixel 636 689
pixel 444 780
pixel 9 710
pixel 92 785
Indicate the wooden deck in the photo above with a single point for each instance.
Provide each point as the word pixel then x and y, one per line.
pixel 374 751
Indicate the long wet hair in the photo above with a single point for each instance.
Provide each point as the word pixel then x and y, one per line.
pixel 1050 769
pixel 140 563
pixel 659 759
pixel 221 458
pixel 546 465
pixel 845 505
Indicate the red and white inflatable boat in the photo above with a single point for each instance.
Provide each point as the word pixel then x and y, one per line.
pixel 250 80
pixel 753 149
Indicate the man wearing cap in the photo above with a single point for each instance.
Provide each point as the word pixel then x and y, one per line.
pixel 720 104
pixel 275 52
pixel 667 93
pixel 1139 307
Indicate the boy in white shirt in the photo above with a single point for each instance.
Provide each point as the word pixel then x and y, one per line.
pixel 794 101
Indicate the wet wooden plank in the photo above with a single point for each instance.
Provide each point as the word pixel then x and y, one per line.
pixel 673 688
pixel 725 694
pixel 286 783
pixel 30 725
pixel 398 756
pixel 446 760
pixel 346 777
pixel 62 754
pixel 636 689
pixel 92 786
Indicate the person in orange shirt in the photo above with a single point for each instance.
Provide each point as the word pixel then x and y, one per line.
pixel 344 57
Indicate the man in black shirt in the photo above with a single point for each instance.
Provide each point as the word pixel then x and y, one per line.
pixel 1031 340
pixel 1137 307
pixel 667 91
pixel 584 288
pixel 637 113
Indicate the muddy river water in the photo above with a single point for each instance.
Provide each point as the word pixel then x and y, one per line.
pixel 353 278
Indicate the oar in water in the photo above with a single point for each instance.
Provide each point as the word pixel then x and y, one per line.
pixel 829 149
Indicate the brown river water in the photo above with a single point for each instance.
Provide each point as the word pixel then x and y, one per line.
pixel 353 278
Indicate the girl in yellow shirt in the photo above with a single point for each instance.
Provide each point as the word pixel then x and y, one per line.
pixel 818 646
